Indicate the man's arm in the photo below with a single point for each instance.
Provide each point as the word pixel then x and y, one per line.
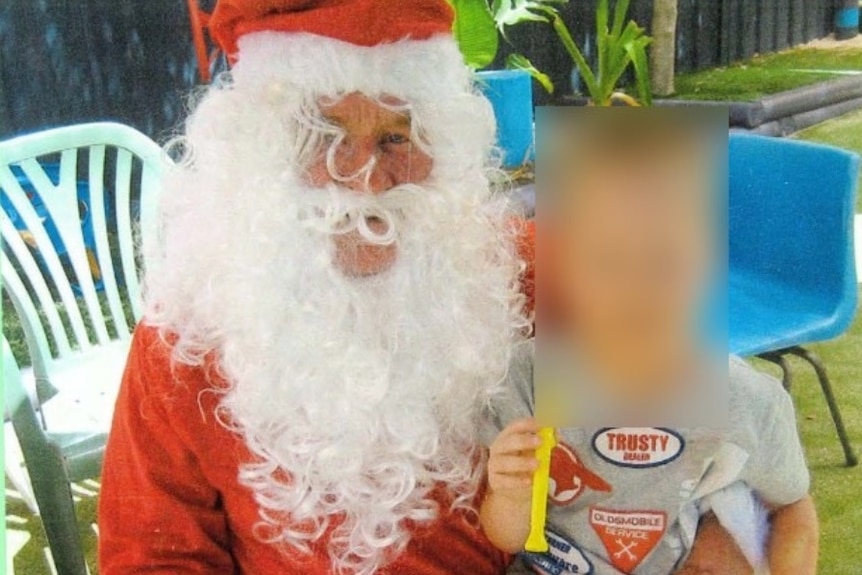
pixel 793 539
pixel 157 512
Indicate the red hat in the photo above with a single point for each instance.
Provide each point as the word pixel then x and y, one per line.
pixel 360 22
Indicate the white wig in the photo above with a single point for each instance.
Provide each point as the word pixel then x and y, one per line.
pixel 358 397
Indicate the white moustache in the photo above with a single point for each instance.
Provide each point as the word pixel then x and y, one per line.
pixel 335 210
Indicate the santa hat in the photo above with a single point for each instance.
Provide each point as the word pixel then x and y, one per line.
pixel 335 46
pixel 358 22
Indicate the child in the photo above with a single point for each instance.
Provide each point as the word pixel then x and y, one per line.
pixel 628 253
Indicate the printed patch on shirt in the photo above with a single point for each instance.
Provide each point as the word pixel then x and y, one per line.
pixel 569 477
pixel 628 536
pixel 638 446
pixel 562 556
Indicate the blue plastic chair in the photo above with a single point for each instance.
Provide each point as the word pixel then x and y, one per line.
pixel 792 278
pixel 59 409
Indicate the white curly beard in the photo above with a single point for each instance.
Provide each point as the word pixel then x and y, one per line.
pixel 366 391
pixel 357 396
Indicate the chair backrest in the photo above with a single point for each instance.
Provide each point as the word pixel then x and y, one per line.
pixel 70 196
pixel 791 207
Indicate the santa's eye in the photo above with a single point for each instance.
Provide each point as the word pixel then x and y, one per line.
pixel 394 139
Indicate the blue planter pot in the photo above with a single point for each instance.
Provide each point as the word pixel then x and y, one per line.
pixel 510 93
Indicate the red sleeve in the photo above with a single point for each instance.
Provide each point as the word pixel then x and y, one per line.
pixel 157 512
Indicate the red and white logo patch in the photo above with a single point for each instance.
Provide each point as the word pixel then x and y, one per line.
pixel 569 477
pixel 638 446
pixel 628 536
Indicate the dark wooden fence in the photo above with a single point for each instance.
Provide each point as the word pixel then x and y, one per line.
pixel 713 32
pixel 65 61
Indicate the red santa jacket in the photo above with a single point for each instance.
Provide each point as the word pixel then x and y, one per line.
pixel 171 503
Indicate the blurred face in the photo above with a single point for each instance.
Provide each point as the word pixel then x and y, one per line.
pixel 630 246
pixel 375 154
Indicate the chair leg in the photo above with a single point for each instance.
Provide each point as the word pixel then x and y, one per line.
pixel 57 510
pixel 16 471
pixel 826 386
pixel 779 358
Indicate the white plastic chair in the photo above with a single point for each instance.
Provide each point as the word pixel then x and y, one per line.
pixel 106 175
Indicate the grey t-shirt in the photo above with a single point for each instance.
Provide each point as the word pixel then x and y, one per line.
pixel 627 500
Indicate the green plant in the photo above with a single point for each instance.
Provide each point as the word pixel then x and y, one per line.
pixel 475 31
pixel 480 23
pixel 619 44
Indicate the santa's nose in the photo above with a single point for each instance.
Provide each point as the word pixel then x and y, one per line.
pixel 355 166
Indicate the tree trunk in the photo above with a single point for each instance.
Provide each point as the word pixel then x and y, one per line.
pixel 663 47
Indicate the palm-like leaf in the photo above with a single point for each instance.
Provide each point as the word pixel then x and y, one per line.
pixel 637 51
pixel 475 31
pixel 620 11
pixel 521 62
pixel 601 41
pixel 619 44
pixel 575 53
pixel 511 12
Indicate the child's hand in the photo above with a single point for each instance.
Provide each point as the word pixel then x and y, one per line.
pixel 513 460
pixel 505 512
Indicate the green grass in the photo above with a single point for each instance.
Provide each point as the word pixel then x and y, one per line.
pixel 30 558
pixel 844 132
pixel 767 74
pixel 836 489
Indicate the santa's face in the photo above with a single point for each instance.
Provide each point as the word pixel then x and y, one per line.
pixel 374 152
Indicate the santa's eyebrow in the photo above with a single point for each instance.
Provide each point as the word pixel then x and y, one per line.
pixel 403 120
pixel 398 127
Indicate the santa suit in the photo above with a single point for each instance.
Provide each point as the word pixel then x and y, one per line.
pixel 171 501
pixel 171 497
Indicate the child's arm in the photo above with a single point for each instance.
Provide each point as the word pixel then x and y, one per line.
pixel 714 552
pixel 793 540
pixel 505 512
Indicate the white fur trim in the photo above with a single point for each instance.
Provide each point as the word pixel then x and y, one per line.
pixel 407 69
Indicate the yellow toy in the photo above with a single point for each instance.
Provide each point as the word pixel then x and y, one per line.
pixel 536 541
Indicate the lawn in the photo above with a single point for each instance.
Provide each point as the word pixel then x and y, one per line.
pixel 836 489
pixel 768 74
pixel 844 132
